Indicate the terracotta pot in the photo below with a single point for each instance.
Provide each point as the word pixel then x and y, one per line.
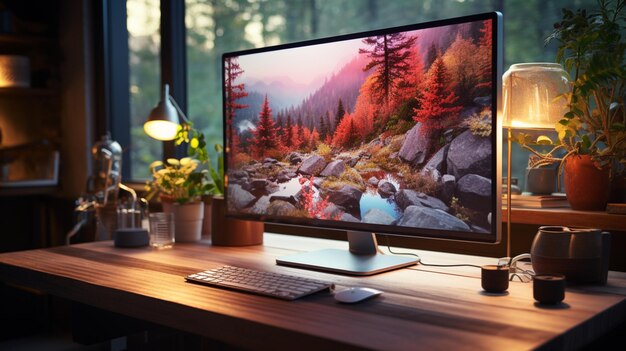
pixel 232 232
pixel 187 220
pixel 586 186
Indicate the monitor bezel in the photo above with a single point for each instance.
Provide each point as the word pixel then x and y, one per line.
pixel 496 227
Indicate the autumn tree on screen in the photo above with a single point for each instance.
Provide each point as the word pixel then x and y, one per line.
pixel 234 92
pixel 365 109
pixel 439 107
pixel 389 55
pixel 298 135
pixel 346 134
pixel 306 139
pixel 265 139
pixel 409 88
pixel 463 67
pixel 484 54
pixel 315 139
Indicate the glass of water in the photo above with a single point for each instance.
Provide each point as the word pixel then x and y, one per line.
pixel 161 229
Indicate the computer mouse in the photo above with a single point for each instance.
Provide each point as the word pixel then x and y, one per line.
pixel 353 295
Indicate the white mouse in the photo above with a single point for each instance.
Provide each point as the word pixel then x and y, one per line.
pixel 353 295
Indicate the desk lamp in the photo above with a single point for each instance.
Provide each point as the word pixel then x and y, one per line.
pixel 531 101
pixel 165 118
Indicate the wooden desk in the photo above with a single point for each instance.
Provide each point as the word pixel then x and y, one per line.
pixel 422 307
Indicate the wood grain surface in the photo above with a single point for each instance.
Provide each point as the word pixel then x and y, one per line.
pixel 421 307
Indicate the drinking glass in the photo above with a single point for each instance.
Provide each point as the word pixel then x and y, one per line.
pixel 161 229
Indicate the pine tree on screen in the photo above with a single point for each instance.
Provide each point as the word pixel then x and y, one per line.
pixel 432 54
pixel 234 92
pixel 288 133
pixel 323 129
pixel 265 139
pixel 390 55
pixel 340 113
pixel 329 126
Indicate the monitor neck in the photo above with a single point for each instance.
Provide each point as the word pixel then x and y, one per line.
pixel 363 243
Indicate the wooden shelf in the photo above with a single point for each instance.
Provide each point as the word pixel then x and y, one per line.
pixel 566 216
pixel 29 92
pixel 29 190
pixel 25 40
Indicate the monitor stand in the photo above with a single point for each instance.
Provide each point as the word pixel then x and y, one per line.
pixel 363 258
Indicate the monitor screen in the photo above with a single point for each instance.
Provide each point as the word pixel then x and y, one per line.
pixel 390 131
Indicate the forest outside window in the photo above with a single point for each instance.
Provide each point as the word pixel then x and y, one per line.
pixel 217 26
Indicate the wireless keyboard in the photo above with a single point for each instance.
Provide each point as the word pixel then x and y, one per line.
pixel 282 286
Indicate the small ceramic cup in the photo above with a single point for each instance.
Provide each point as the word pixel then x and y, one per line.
pixel 494 279
pixel 549 289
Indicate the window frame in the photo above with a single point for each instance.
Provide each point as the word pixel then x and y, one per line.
pixel 112 76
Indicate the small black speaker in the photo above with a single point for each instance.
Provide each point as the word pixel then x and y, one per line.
pixel 131 237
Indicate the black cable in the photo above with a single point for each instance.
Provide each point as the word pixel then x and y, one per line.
pixel 419 259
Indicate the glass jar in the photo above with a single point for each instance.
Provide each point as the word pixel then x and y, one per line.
pixel 533 95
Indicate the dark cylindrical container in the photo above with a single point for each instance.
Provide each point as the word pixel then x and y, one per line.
pixel 549 288
pixel 494 279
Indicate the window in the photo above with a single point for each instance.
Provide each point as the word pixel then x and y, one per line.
pixel 144 45
pixel 217 26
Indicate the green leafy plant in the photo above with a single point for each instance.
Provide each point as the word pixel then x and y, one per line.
pixel 196 149
pixel 177 180
pixel 592 47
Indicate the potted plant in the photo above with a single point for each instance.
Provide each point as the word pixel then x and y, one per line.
pixel 196 148
pixel 206 187
pixel 180 186
pixel 591 138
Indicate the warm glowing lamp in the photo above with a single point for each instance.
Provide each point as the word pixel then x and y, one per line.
pixel 14 71
pixel 532 100
pixel 165 118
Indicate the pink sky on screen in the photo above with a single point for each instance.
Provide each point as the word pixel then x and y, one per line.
pixel 302 64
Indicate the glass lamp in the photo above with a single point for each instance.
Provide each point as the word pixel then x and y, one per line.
pixel 165 118
pixel 531 93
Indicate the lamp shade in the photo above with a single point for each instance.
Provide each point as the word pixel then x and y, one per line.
pixel 163 121
pixel 532 95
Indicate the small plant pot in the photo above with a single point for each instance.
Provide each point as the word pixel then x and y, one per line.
pixel 541 180
pixel 187 220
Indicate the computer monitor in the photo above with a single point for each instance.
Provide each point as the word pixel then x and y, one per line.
pixel 392 131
